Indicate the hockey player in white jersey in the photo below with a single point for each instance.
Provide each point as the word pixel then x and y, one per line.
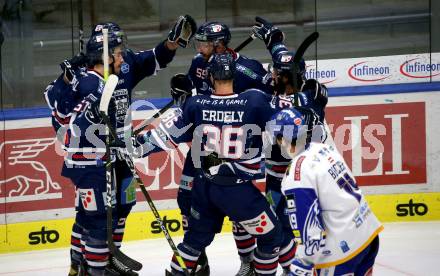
pixel 339 232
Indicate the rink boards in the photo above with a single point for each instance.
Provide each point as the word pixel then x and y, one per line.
pixel 142 225
pixel 387 133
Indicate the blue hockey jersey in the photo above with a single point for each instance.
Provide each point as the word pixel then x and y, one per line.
pixel 276 164
pixel 230 126
pixel 85 145
pixel 249 74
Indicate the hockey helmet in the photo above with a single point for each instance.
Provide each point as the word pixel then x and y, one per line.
pixel 213 32
pixel 284 64
pixel 221 66
pixel 95 45
pixel 293 127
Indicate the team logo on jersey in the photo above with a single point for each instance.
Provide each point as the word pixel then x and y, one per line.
pixel 286 58
pixel 344 246
pixel 297 121
pixel 98 28
pixel 125 68
pixel 259 225
pixel 313 227
pixel 216 28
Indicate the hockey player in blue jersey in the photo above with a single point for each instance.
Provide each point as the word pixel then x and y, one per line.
pixel 85 140
pixel 338 230
pixel 300 92
pixel 225 129
pixel 210 38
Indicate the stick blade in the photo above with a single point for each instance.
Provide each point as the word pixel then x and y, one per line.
pixel 127 261
pixel 107 93
pixel 304 45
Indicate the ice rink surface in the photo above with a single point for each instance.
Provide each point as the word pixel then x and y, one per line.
pixel 405 249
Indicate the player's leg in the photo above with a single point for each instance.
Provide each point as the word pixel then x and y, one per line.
pixel 184 196
pixel 288 245
pixel 365 267
pixel 204 222
pixel 185 187
pixel 278 203
pixel 76 248
pixel 91 208
pixel 245 244
pixel 361 264
pixel 93 219
pixel 245 204
pixel 126 199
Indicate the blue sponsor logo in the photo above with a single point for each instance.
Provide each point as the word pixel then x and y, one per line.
pixel 125 68
pixel 363 72
pixel 344 246
pixel 325 76
pixel 415 69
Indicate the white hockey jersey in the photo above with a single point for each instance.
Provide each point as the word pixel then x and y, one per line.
pixel 326 206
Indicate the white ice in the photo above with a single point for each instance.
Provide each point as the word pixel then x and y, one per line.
pixel 405 249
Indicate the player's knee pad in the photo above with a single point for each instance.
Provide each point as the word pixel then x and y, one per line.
pixel 264 263
pixel 243 240
pixel 95 227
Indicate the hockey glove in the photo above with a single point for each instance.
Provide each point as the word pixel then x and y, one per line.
pixel 183 30
pixel 93 113
pixel 298 267
pixel 210 161
pixel 181 87
pixel 319 91
pixel 70 66
pixel 267 32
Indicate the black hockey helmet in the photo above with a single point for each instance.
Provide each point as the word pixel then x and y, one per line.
pixel 94 47
pixel 221 66
pixel 213 32
pixel 285 65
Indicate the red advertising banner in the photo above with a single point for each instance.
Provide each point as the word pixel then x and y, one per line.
pixel 385 144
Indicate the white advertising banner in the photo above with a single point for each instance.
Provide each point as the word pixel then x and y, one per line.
pixel 375 70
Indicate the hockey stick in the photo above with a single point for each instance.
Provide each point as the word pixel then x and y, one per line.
pixel 80 27
pixel 107 93
pixel 109 87
pixel 140 127
pixel 245 43
pixel 300 53
pixel 148 121
pixel 153 208
pixel 105 100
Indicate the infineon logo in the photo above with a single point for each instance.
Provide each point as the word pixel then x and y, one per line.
pixel 416 69
pixel 367 73
pixel 324 76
